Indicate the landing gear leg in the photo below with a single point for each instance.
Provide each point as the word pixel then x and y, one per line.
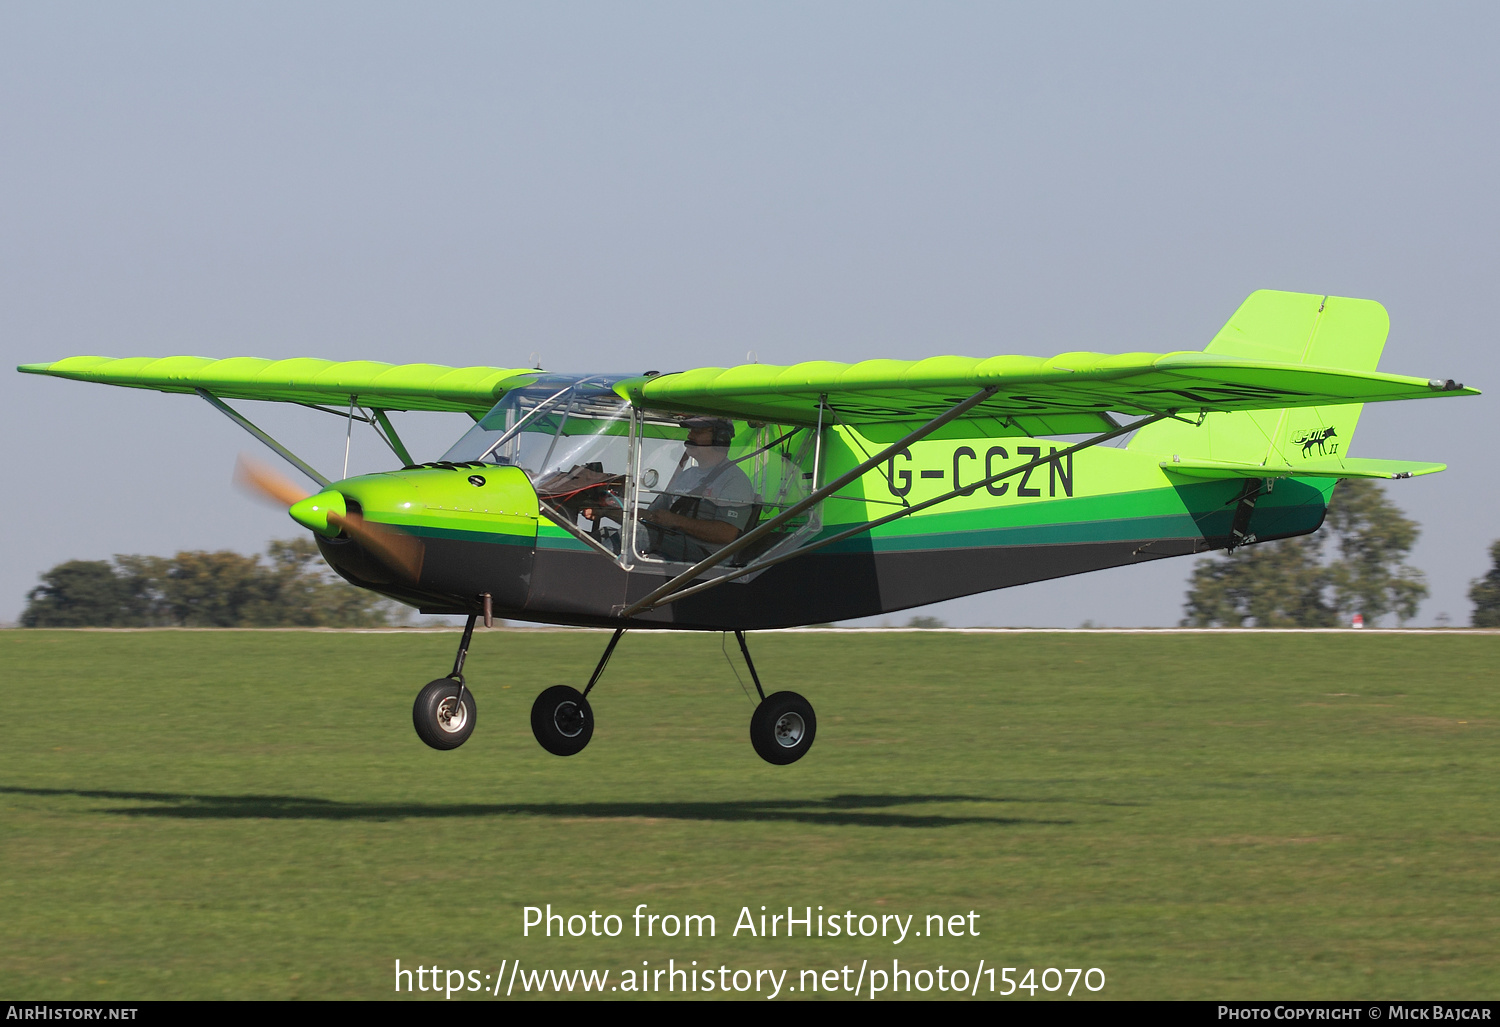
pixel 783 725
pixel 561 718
pixel 739 636
pixel 445 712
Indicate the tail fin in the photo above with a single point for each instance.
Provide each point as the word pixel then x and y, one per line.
pixel 1292 328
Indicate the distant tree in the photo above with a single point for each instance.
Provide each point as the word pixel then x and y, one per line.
pixel 925 622
pixel 213 590
pixel 1484 593
pixel 1289 584
pixel 308 594
pixel 1371 576
pixel 1270 585
pixel 85 593
pixel 203 589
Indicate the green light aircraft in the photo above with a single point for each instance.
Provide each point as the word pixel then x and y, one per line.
pixel 752 497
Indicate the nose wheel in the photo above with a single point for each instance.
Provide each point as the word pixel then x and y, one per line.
pixel 444 714
pixel 445 711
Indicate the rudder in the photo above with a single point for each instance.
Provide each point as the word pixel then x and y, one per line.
pixel 1288 328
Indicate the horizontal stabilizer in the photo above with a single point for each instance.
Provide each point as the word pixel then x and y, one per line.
pixel 1349 467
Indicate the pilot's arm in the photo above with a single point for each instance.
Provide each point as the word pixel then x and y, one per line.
pixel 719 533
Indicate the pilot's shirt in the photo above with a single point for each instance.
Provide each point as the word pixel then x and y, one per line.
pixel 726 494
pixel 729 488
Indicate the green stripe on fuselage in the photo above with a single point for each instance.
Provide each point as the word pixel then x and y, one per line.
pixel 550 536
pixel 1100 495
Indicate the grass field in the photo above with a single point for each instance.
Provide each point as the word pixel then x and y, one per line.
pixel 250 815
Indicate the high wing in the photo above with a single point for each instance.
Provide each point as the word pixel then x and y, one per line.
pixel 1280 351
pixel 1069 394
pixel 471 390
pixel 884 399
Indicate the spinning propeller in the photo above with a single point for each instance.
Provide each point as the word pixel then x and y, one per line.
pixel 398 551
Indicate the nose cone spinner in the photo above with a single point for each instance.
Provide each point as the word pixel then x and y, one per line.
pixel 313 512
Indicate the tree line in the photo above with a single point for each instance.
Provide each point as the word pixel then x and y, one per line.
pixel 292 587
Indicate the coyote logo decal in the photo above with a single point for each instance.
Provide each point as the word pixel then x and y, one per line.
pixel 1323 438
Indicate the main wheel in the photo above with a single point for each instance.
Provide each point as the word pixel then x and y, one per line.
pixel 440 719
pixel 562 720
pixel 783 727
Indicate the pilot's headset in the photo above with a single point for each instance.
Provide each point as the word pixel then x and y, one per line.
pixel 723 435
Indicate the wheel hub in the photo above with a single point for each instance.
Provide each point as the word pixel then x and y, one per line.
pixel 568 719
pixel 789 730
pixel 452 715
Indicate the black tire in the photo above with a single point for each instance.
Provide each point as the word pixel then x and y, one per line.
pixel 562 720
pixel 782 728
pixel 440 720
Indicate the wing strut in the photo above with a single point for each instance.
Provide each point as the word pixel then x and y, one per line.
pixel 761 565
pixel 275 447
pixel 761 531
pixel 391 438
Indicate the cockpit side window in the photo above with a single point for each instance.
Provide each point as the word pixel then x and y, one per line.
pixel 704 482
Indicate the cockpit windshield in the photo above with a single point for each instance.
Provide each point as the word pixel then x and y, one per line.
pixel 541 423
pixel 646 486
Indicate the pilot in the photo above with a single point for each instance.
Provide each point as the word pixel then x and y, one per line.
pixel 706 506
